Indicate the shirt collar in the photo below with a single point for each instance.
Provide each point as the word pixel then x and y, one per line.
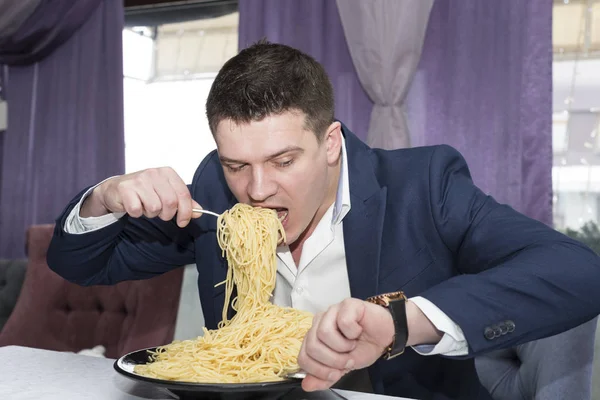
pixel 342 198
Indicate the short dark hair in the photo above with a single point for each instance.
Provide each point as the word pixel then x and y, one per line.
pixel 269 78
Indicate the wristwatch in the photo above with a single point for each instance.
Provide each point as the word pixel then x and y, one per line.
pixel 396 304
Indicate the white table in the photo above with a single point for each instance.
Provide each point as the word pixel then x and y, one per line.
pixel 32 374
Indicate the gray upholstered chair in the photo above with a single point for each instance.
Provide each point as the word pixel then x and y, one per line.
pixel 555 368
pixel 12 274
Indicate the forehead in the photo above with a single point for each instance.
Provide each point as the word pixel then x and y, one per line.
pixel 257 139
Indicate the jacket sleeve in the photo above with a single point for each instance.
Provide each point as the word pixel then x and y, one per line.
pixel 128 249
pixel 518 279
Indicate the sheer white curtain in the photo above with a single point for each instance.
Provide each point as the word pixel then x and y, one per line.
pixel 385 38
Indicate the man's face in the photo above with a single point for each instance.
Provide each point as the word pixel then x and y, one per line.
pixel 278 163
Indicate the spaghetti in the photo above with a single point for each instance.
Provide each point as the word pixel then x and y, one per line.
pixel 262 340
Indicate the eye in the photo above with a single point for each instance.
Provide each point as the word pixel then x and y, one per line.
pixel 286 163
pixel 235 168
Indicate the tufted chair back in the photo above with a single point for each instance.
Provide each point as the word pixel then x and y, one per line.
pixel 54 314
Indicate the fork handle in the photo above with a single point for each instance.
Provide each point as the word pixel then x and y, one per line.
pixel 201 211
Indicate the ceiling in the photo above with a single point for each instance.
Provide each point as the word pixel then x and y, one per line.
pixel 576 48
pixel 138 3
pixel 160 12
pixel 195 47
pixel 576 29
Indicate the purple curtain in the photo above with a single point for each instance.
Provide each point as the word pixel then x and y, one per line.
pixel 314 27
pixel 65 114
pixel 386 59
pixel 44 26
pixel 484 86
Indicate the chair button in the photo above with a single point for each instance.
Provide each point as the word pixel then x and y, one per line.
pixel 489 333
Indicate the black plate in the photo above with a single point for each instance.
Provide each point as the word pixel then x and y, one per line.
pixel 189 390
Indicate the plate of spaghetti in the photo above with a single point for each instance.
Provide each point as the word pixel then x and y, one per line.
pixel 250 352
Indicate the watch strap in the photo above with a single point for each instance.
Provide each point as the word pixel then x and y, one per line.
pixel 398 310
pixel 396 305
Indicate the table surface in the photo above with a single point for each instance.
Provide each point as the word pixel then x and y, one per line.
pixel 29 373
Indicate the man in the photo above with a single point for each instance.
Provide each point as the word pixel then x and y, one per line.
pixel 359 222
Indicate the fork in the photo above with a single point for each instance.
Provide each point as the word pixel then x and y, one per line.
pixel 199 210
pixel 203 211
pixel 294 374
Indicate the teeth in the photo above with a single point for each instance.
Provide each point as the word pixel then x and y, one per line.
pixel 282 216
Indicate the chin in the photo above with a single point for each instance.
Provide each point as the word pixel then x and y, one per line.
pixel 290 235
pixel 289 239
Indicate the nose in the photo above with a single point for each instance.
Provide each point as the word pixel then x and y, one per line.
pixel 261 186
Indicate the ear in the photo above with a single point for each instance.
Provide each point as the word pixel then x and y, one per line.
pixel 333 141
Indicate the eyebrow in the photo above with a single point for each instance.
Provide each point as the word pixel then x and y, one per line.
pixel 281 152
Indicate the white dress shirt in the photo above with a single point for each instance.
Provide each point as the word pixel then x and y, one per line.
pixel 321 278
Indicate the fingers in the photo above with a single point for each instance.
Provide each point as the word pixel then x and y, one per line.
pixel 318 354
pixel 349 316
pixel 155 192
pixel 342 338
pixel 319 376
pixel 131 203
pixel 196 205
pixel 325 352
pixel 330 334
pixel 168 200
pixel 310 384
pixel 183 200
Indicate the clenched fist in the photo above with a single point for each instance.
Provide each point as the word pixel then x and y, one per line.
pixel 154 192
pixel 350 335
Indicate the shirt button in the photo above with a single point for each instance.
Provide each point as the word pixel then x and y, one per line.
pixel 299 290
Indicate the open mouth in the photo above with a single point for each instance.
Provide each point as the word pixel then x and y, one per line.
pixel 282 214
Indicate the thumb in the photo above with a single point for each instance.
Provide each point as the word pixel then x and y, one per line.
pixel 196 206
pixel 350 318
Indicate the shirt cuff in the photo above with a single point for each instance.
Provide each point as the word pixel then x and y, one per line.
pixel 453 343
pixel 77 225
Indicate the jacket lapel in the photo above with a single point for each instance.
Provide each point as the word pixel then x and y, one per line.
pixel 363 226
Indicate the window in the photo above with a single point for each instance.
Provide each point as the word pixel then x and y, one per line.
pixel 165 125
pixel 576 118
pixel 559 132
pixel 168 73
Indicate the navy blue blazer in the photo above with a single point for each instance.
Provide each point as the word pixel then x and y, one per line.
pixel 417 224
